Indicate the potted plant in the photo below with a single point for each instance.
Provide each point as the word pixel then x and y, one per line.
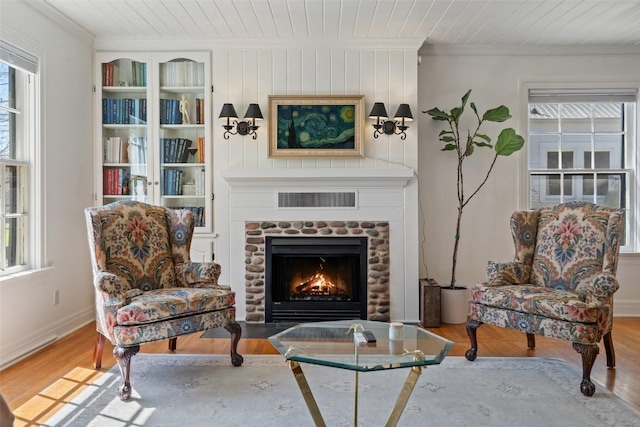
pixel 463 145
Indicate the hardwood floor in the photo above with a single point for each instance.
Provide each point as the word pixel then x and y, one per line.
pixel 41 384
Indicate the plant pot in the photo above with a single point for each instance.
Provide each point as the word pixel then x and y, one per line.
pixel 430 305
pixel 454 304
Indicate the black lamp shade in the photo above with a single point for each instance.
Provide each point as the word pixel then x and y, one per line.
pixel 378 111
pixel 228 112
pixel 253 112
pixel 404 112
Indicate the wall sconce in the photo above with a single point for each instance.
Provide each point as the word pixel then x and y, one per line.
pixel 244 127
pixel 389 127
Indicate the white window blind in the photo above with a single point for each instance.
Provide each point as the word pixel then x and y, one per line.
pixel 18 58
pixel 582 95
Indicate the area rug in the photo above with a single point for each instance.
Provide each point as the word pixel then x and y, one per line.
pixel 201 390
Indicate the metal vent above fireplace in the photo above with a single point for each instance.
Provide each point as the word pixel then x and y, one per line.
pixel 317 200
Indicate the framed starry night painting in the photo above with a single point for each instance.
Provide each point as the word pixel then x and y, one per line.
pixel 316 126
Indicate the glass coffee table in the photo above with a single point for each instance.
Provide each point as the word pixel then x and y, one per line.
pixel 333 344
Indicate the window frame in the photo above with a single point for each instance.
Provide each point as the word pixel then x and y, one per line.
pixel 631 169
pixel 28 158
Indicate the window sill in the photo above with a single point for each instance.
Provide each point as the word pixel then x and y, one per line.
pixel 629 259
pixel 23 274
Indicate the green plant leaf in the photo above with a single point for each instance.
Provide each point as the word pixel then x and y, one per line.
pixel 438 114
pixel 449 147
pixel 469 151
pixel 508 142
pixel 465 98
pixel 447 139
pixel 473 107
pixel 445 132
pixel 499 114
pixel 456 113
pixel 485 137
pixel 482 144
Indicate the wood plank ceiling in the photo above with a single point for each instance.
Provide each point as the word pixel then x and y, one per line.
pixel 459 22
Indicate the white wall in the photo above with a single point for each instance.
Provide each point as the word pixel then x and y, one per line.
pixel 496 77
pixel 27 314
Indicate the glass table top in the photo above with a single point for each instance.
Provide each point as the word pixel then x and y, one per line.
pixel 333 344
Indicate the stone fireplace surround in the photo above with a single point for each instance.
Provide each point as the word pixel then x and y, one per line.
pixel 377 233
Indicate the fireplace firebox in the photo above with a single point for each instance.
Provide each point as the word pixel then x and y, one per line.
pixel 315 278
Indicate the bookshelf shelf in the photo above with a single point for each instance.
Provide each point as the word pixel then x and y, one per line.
pixel 181 89
pixel 124 89
pixel 120 126
pixel 153 139
pixel 183 165
pixel 182 126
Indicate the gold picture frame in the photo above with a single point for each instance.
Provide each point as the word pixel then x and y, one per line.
pixel 316 126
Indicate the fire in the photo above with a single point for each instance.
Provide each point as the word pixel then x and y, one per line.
pixel 317 285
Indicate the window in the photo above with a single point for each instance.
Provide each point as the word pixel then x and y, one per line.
pixel 17 142
pixel 582 147
pixel 553 181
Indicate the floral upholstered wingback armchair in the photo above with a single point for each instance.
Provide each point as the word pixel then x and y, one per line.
pixel 146 287
pixel 561 283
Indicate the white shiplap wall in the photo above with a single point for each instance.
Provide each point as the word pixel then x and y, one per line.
pixel 243 76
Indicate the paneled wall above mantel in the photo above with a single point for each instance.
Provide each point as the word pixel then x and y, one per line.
pixel 249 76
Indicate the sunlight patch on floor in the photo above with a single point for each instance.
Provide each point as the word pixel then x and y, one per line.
pixel 51 399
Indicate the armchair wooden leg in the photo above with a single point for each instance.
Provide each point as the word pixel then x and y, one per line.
pixel 123 356
pixel 608 348
pixel 531 340
pixel 173 344
pixel 97 351
pixel 236 332
pixel 589 353
pixel 472 326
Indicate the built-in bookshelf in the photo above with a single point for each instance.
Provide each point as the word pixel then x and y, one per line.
pixel 154 135
pixel 183 134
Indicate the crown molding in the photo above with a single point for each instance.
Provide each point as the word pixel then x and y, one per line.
pixel 428 49
pixel 128 43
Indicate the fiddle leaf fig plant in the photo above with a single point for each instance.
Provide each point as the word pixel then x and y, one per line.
pixel 464 144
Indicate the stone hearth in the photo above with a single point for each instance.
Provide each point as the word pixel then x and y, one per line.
pixel 378 272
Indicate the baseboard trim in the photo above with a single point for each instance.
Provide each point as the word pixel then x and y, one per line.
pixel 626 309
pixel 44 337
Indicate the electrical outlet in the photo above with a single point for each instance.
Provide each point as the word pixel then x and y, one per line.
pixel 56 297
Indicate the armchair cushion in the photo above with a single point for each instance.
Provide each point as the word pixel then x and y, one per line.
pixel 541 301
pixel 164 304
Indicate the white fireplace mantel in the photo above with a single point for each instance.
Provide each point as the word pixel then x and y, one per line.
pixel 383 195
pixel 315 177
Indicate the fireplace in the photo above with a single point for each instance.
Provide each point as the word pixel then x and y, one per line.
pixel 315 278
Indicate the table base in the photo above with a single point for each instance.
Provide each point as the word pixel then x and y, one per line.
pixel 396 412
